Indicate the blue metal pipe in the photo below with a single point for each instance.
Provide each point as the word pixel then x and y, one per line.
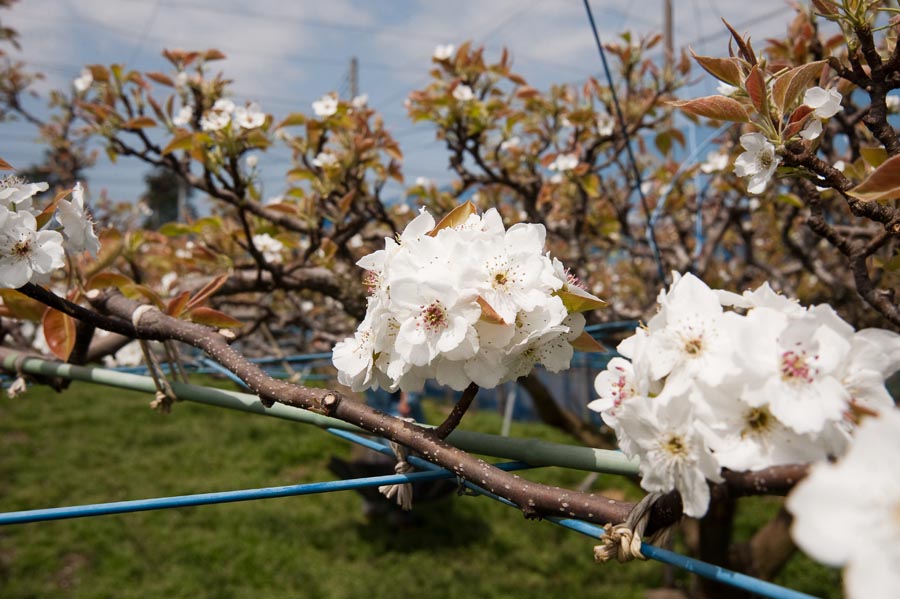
pixel 142 505
pixel 716 573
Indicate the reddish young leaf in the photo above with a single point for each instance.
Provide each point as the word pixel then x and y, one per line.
pixel 882 184
pixel 797 121
pixel 488 314
pixel 213 54
pixel 139 122
pixel 5 166
pixel 59 331
pixel 723 69
pixel 756 89
pixel 586 343
pixel 161 78
pixel 791 84
pixel 177 304
pixel 720 108
pixel 455 217
pixel 207 290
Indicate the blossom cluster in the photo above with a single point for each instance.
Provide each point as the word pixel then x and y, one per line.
pixel 720 380
pixel 223 113
pixel 463 301
pixel 846 513
pixel 31 244
pixel 759 160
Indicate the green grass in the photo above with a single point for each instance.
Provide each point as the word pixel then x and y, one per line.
pixel 93 444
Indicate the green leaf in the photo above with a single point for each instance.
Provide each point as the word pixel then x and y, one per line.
pixel 875 157
pixel 291 120
pixel 213 318
pixel 183 140
pixel 109 279
pixel 882 184
pixel 720 108
pixel 790 199
pixel 18 305
pixel 576 299
pixel 174 229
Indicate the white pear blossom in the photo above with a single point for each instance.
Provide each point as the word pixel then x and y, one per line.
pixel 78 225
pixel 726 89
pixel 562 164
pixel 715 162
pixel 251 161
pixel 762 380
pixel 463 93
pixel 169 281
pixel 758 162
pixel 359 102
pixel 511 143
pixel 848 513
pixel 325 159
pixel 470 302
pixel 325 106
pixel 270 247
pixel 219 116
pixel 83 81
pixel 249 117
pixel 16 194
pixel 892 103
pixel 25 251
pixel 184 116
pixel 812 129
pixel 606 124
pixel 795 363
pixel 674 455
pixel 443 51
pixel 825 102
pixel 691 337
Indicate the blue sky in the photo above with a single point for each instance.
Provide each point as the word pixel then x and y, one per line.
pixel 287 54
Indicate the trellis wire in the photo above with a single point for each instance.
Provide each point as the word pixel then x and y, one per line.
pixel 533 451
pixel 36 366
pixel 651 233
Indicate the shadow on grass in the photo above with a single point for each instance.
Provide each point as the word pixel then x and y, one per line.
pixel 442 524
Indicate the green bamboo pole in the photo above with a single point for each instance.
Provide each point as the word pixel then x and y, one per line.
pixel 531 451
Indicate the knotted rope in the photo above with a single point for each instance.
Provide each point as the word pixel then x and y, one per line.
pixel 18 386
pixel 623 541
pixel 402 492
pixel 165 395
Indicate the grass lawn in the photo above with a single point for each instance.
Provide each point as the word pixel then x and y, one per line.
pixel 95 444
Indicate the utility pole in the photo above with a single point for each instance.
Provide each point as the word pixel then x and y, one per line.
pixel 354 77
pixel 668 37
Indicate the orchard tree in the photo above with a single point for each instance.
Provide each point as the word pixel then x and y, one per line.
pixel 725 392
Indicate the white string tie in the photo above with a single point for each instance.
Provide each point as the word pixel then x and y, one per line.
pixel 402 493
pixel 623 541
